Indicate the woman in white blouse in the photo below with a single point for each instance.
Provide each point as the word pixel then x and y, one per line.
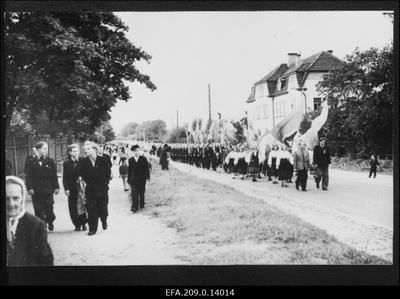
pixel 284 162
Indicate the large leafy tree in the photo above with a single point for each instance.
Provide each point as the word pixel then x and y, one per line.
pixel 129 129
pixel 157 129
pixel 360 95
pixel 64 71
pixel 107 131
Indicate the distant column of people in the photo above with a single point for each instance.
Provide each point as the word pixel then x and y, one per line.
pixel 279 162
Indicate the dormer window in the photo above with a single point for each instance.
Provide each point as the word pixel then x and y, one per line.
pixel 283 83
pixel 260 90
pixel 292 82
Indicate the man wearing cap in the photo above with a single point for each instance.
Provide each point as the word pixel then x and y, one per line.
pixel 322 158
pixel 138 174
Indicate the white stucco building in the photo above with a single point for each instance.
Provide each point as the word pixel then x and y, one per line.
pixel 277 93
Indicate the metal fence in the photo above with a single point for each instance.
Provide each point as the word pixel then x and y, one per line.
pixel 18 148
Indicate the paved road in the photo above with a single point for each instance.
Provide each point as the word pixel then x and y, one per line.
pixel 357 210
pixel 352 193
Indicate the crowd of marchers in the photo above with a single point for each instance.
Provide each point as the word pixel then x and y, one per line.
pixel 279 163
pixel 85 179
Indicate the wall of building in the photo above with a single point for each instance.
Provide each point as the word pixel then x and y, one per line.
pixel 282 105
pixel 311 92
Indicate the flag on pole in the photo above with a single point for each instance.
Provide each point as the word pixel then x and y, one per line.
pixel 288 126
pixel 197 132
pixel 229 132
pixel 311 136
pixel 250 133
pixel 266 141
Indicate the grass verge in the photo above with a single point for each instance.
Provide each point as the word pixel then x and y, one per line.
pixel 218 225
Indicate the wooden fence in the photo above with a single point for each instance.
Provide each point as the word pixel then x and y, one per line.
pixel 19 147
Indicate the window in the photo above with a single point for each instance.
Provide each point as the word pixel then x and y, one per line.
pixel 258 112
pixel 254 113
pixel 292 82
pixel 265 111
pixel 283 83
pixel 280 109
pixel 292 101
pixel 317 103
pixel 261 90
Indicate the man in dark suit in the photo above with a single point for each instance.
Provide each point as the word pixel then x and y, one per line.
pixel 96 173
pixel 301 164
pixel 42 182
pixel 31 156
pixel 138 174
pixel 26 234
pixel 322 158
pixel 101 153
pixel 77 211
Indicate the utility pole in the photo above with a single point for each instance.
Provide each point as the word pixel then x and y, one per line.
pixel 209 103
pixel 177 120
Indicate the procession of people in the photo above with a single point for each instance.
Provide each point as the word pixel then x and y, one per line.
pixel 86 178
pixel 279 164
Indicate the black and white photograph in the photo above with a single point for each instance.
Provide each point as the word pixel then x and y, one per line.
pixel 222 144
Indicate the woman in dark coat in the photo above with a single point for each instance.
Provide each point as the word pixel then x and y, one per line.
pixel 26 234
pixel 77 211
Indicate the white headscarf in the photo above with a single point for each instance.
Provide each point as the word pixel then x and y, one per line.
pixel 12 222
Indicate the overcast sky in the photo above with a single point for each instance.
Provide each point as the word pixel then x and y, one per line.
pixel 230 51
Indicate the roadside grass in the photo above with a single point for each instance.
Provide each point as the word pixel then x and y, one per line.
pixel 218 225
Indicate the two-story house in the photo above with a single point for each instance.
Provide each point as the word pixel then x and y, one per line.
pixel 276 94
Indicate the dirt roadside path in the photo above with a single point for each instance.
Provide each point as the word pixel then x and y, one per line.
pixel 130 239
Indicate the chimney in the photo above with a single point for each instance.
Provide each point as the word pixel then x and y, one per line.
pixel 294 58
pixel 330 51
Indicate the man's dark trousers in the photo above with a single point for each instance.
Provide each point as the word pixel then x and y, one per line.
pixel 137 193
pixel 43 205
pixel 97 207
pixel 302 176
